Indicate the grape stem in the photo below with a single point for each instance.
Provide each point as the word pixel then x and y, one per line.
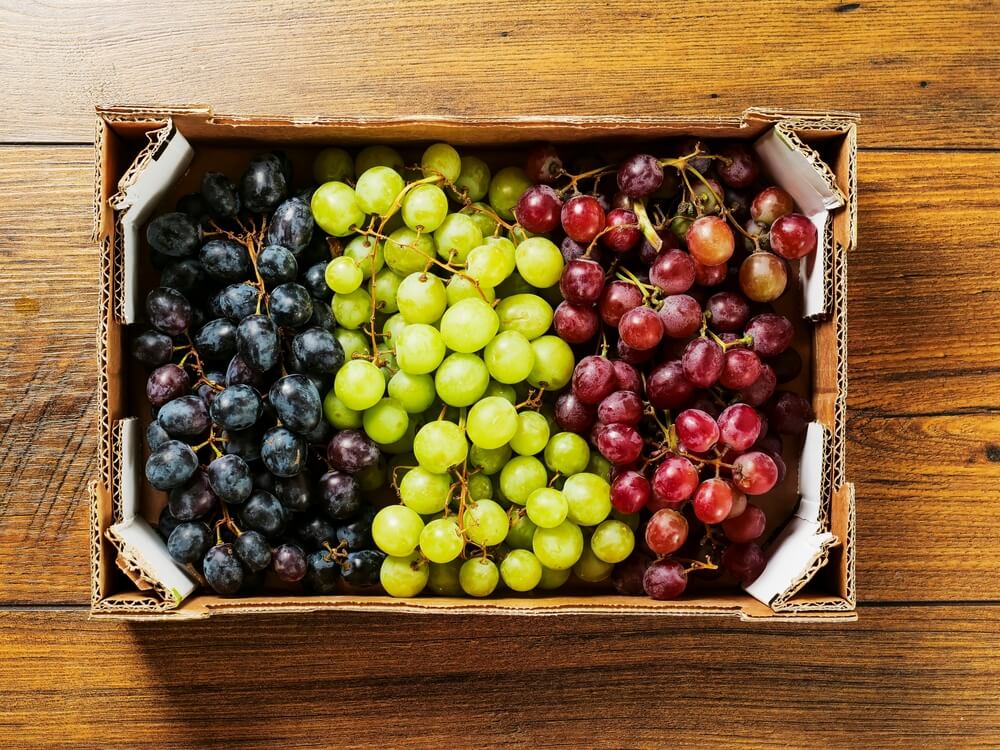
pixel 335 554
pixel 597 174
pixel 534 400
pixel 727 345
pixel 227 521
pixel 648 231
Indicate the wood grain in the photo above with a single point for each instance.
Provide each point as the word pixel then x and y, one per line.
pixel 898 676
pixel 339 58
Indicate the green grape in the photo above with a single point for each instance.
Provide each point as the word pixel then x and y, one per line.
pixel 509 357
pixel 554 363
pixel 344 275
pixel 424 208
pixel 501 390
pixel 359 384
pixel 440 159
pixel 338 414
pixel 396 530
pixel 441 540
pixel 386 421
pixel 462 287
pixel 422 298
pixel 486 523
pixel 519 234
pixel 492 421
pixel 521 476
pixel 371 478
pixel 333 165
pixel 553 579
pixel 522 529
pixel 506 188
pixel 443 579
pixel 414 392
pixel 352 342
pixel 559 547
pixel 632 520
pixel 393 325
pixel 335 208
pixel 547 507
pixel 513 285
pixel 480 487
pixel 404 444
pixel 352 310
pixel 404 576
pixel 440 445
pixel 490 263
pixel 478 576
pixel 612 541
pixel 528 314
pixel 482 214
pixel 490 461
pixel 419 349
pixel 363 250
pixel 377 156
pixel 406 251
pixel 599 465
pixel 521 570
pixel 386 288
pixel 389 365
pixel 589 499
pixel 473 179
pixel 469 325
pixel 532 434
pixel 539 262
pixel 591 568
pixel 378 189
pixel 456 237
pixel 567 453
pixel 461 379
pixel 424 491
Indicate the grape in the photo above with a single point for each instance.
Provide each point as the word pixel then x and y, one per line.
pixel 225 260
pixel 772 334
pixel 252 550
pixel 538 209
pixel 560 547
pixel 457 237
pixel 626 377
pixel 377 190
pixel 377 156
pixel 473 178
pixel 710 240
pixel 641 328
pixel 627 577
pixel 235 302
pixel 156 436
pixel 575 324
pixel 442 160
pixel 491 422
pixel 351 451
pixel 697 430
pixel 469 325
pixel 333 165
pixel 664 579
pixel 264 184
pixel 754 473
pixel 621 407
pixel 612 541
pixel 761 389
pixel 547 507
pixel 443 579
pixel 713 501
pixel 338 414
pixel 591 568
pixel 521 570
pixel 744 561
pixel 618 298
pixel 737 168
pixel 793 236
pixel 490 461
pixel 789 414
pixel 787 366
pixel 441 540
pixel 362 567
pixel 184 417
pixel 582 218
pixel 283 452
pixel 365 252
pixel 553 366
pixel 237 408
pixel 621 444
pixel 528 314
pixel 521 476
pixel 336 210
pixel 322 572
pixel 747 526
pixel 359 385
pixel 318 351
pixel 539 262
pixel 168 311
pixel 415 393
pixel 770 204
pixel 622 230
pixel 593 379
pixel 424 208
pixel 396 530
pixel 289 563
pixel 630 492
pixel 589 499
pixel 216 340
pixel 262 512
pixel 729 312
pixel 339 494
pixel 386 421
pixel 582 281
pixel 440 445
pixel 188 542
pixel 763 277
pixel 404 576
pixel 463 287
pixel 296 402
pixel 667 386
pixel 173 234
pixel 567 453
pixel 543 164
pixel 509 357
pixel 702 362
pixel 741 368
pixel 478 577
pixel 675 480
pixel 674 272
pixel 461 380
pixel 421 298
pixel 553 579
pixel 352 310
pixel 486 523
pixel 187 276
pixel 257 342
pixel 291 226
pixel 640 175
pixel 739 426
pixel 574 415
pixel 666 531
pixel 419 350
pixel 223 571
pixel 506 189
pixel 295 493
pixel 344 275
pixel 424 491
pixel 152 348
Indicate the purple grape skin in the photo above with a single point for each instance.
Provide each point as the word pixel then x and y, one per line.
pixel 166 383
pixel 352 451
pixel 171 465
pixel 289 563
pixel 640 175
pixel 339 495
pixel 223 570
pixel 153 348
pixel 186 416
pixel 193 499
pixel 168 311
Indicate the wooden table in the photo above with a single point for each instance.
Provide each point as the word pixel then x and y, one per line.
pixel 921 667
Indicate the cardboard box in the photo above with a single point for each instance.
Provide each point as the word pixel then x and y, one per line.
pixel 142 157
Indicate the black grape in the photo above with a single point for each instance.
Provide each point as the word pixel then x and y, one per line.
pixel 239 372
pixel 226 260
pixel 296 402
pixel 220 194
pixel 171 465
pixel 289 563
pixel 189 542
pixel 357 534
pixel 339 495
pixel 291 225
pixel 186 276
pixel 216 340
pixel 168 311
pixel 264 513
pixel 317 531
pixel 277 265
pixel 263 185
pixel 361 569
pixel 186 416
pixel 317 350
pixel 253 550
pixel 243 443
pixel 230 478
pixel 283 452
pixel 223 570
pixel 166 522
pixel 193 499
pixel 322 572
pixel 174 234
pixel 295 493
pixel 257 339
pixel 156 436
pixel 237 407
pixel 153 348
pixel 352 451
pixel 290 305
pixel 235 302
pixel 314 279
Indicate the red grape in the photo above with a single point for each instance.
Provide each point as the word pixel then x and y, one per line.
pixel 771 204
pixel 673 271
pixel 538 209
pixel 543 164
pixel 712 501
pixel 627 577
pixel 621 407
pixel 664 580
pixel 710 240
pixel 617 299
pixel 648 253
pixel 739 503
pixel 747 526
pixel 640 175
pixel 697 430
pixel 702 362
pixel 576 324
pixel 582 281
pixel 641 328
pixel 572 414
pixel 763 277
pixel 582 218
pixel 786 365
pixel 738 167
pixel 755 473
pixel 621 444
pixel 633 356
pixel 709 275
pixel 630 491
pixel 667 388
pixel 681 316
pixel 729 312
pixel 771 333
pixel 675 479
pixel 627 377
pixel 761 389
pixel 666 531
pixel 620 200
pixel 744 561
pixel 790 413
pixel 625 233
pixel 740 369
pixel 739 426
pixel 593 379
pixel 793 236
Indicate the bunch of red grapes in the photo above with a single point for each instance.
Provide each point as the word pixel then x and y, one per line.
pixel 670 275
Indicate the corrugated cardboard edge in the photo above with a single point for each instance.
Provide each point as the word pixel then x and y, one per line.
pixel 837 122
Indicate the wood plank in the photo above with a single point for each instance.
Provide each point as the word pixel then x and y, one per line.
pixel 899 677
pixel 908 470
pixel 617 58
